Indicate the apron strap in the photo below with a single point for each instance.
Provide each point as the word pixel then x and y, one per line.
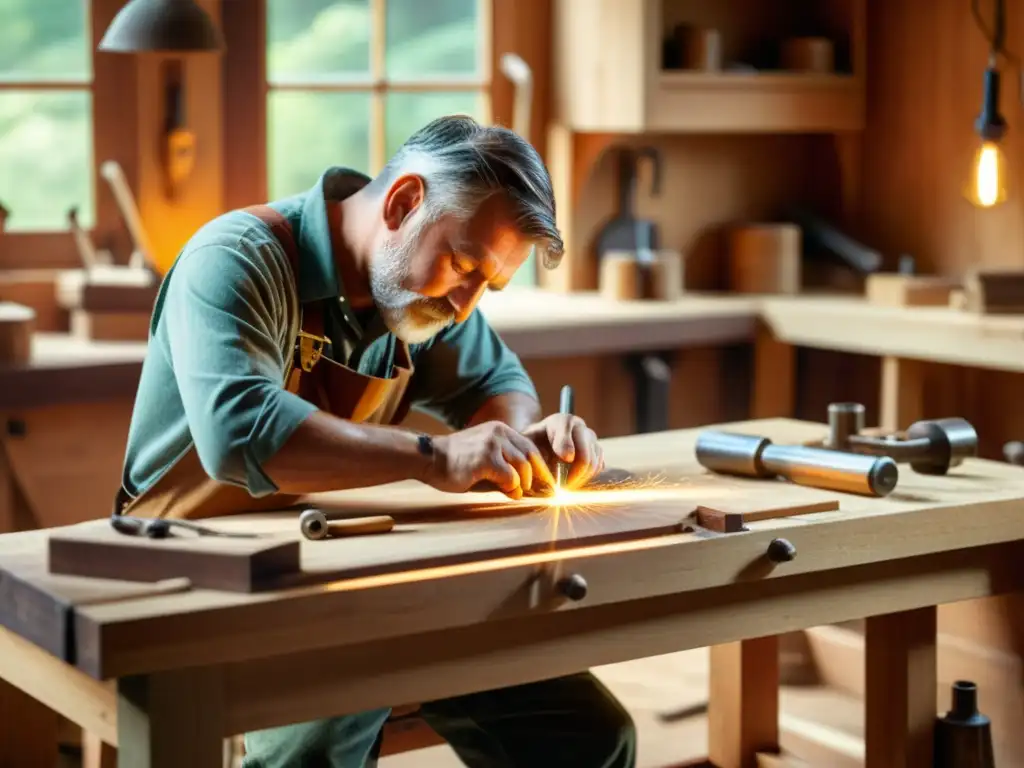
pixel 311 342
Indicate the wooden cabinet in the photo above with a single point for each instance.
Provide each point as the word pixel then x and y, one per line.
pixel 614 67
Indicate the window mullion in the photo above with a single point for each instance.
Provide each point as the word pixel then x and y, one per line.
pixel 378 74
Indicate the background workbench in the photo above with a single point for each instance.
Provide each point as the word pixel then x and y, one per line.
pixel 443 631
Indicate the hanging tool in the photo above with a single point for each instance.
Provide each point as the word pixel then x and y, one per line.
pixel 142 251
pixel 625 232
pixel 753 456
pixel 179 143
pixel 567 406
pixel 315 525
pixel 519 72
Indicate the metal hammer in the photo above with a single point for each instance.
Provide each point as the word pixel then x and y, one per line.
pixel 753 456
pixel 931 446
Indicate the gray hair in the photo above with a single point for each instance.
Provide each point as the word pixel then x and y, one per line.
pixel 463 163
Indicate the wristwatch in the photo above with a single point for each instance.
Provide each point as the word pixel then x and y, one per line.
pixel 425 444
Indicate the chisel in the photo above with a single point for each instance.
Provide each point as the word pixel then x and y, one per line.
pixel 566 405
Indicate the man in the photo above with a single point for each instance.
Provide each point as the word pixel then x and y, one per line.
pixel 288 340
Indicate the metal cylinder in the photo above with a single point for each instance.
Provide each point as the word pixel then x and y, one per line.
pixel 832 470
pixel 844 420
pixel 950 441
pixel 731 453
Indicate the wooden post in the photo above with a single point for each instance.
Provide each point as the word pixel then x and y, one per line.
pixel 169 720
pixel 743 707
pixel 900 689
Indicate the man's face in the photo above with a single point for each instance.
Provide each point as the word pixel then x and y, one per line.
pixel 428 274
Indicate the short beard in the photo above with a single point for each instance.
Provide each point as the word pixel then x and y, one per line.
pixel 413 318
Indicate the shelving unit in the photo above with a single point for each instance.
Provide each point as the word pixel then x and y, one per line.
pixel 614 81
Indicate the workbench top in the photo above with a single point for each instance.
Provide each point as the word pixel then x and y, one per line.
pixel 109 628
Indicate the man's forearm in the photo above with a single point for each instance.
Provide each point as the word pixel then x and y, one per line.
pixel 516 409
pixel 326 453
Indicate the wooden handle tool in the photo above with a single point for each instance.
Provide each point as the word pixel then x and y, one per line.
pixel 315 525
pixel 142 251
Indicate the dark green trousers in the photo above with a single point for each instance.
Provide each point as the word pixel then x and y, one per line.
pixel 569 721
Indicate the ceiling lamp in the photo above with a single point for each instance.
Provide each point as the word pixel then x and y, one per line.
pixel 162 26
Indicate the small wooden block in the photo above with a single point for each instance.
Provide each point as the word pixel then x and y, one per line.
pixel 991 292
pixel 17 322
pixel 765 259
pixel 723 520
pixel 94 549
pixel 909 290
pixel 108 289
pixel 110 326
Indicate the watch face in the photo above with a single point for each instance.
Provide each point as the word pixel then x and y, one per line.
pixel 426 444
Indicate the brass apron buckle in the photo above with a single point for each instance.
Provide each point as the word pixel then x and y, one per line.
pixel 311 349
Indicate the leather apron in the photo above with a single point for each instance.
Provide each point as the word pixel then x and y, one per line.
pixel 185 492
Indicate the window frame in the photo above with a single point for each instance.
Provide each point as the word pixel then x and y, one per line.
pixel 114 137
pixel 246 88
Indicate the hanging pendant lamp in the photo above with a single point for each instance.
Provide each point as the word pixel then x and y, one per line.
pixel 162 26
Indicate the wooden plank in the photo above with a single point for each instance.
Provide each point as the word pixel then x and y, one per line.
pixel 96 550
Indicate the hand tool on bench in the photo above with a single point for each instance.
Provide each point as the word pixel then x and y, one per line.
pixel 142 251
pixel 91 258
pixel 1013 452
pixel 519 72
pixel 567 406
pixel 315 525
pixel 161 528
pixel 754 456
pixel 931 447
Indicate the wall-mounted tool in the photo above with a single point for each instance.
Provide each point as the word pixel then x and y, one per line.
pixel 314 525
pixel 625 232
pixel 931 447
pixel 754 456
pixel 178 145
pixel 142 251
pixel 518 71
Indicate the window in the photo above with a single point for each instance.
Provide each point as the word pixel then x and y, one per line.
pixel 46 130
pixel 349 80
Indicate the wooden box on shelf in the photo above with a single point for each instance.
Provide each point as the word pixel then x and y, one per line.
pixel 615 70
pixel 108 303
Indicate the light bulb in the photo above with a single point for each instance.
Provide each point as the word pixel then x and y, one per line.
pixel 987 184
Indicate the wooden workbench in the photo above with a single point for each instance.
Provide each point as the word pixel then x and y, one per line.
pixel 140 672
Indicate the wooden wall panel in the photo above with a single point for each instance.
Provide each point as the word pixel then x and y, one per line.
pixel 925 65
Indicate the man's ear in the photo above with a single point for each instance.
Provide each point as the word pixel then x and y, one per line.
pixel 403 197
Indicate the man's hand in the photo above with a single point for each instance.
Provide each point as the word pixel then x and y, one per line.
pixel 566 437
pixel 492 454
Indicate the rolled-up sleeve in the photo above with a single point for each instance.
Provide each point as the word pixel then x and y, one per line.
pixel 463 367
pixel 227 316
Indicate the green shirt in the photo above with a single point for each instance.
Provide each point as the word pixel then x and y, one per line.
pixel 221 341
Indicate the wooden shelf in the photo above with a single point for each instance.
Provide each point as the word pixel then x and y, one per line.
pixel 770 102
pixel 609 76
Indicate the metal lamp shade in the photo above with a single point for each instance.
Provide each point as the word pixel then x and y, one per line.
pixel 162 26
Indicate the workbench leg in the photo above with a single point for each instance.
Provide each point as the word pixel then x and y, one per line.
pixel 743 703
pixel 774 391
pixel 902 395
pixel 96 753
pixel 900 689
pixel 28 730
pixel 171 720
